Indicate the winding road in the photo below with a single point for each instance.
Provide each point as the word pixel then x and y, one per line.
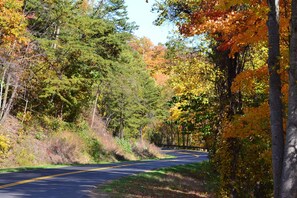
pixel 79 181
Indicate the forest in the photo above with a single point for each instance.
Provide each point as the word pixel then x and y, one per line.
pixel 72 71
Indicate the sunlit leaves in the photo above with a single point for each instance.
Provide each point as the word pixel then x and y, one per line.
pixel 154 57
pixel 12 22
pixel 193 76
pixel 242 126
pixel 234 28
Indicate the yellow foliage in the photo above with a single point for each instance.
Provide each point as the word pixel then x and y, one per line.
pixel 24 117
pixel 175 113
pixel 252 150
pixel 192 76
pixel 4 146
pixel 12 22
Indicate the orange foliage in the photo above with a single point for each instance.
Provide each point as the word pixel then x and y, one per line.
pixel 235 24
pixel 254 122
pixel 247 80
pixel 160 78
pixel 153 56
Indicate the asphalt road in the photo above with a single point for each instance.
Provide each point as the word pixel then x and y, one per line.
pixel 78 181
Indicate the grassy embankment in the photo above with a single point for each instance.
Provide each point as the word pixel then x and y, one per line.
pixel 46 142
pixel 194 180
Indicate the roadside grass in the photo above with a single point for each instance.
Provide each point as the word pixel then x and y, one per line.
pixel 27 168
pixel 193 180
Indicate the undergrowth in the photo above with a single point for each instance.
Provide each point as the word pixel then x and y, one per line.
pixel 49 140
pixel 193 180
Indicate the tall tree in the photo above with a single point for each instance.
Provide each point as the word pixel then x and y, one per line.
pixel 289 178
pixel 130 97
pixel 276 120
pixel 115 11
pixel 78 49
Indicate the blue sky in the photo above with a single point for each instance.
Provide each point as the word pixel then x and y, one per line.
pixel 140 12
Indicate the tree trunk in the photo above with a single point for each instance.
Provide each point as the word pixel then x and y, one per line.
pixel 5 97
pixel 275 102
pixel 178 137
pixel 121 128
pixel 56 33
pixel 2 86
pixel 289 178
pixel 9 104
pixel 183 135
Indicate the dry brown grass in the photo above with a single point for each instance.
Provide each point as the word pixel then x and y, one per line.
pixel 66 148
pixel 146 150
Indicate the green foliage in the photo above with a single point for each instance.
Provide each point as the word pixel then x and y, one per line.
pixel 51 123
pixel 125 144
pixel 81 48
pixel 78 49
pixel 40 135
pixel 130 97
pixel 115 11
pixel 96 151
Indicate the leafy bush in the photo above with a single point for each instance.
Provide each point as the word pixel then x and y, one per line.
pixel 96 151
pixel 24 117
pixel 4 146
pixel 125 145
pixel 40 135
pixel 51 123
pixel 24 157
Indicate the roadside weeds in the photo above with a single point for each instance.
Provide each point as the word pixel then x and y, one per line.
pixel 193 180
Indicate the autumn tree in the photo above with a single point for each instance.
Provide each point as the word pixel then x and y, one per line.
pixel 153 56
pixel 13 52
pixel 235 28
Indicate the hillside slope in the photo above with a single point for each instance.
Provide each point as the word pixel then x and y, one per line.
pixel 52 141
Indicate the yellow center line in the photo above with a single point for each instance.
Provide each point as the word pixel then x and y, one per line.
pixel 71 173
pixel 188 153
pixel 61 174
pixel 183 152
